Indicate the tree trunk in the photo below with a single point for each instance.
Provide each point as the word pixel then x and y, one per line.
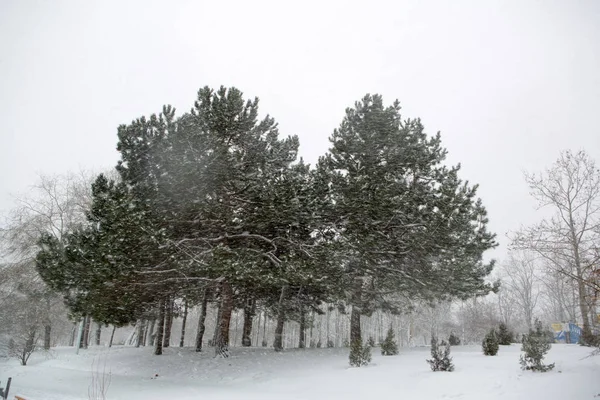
pixel 168 322
pixel 222 342
pixel 112 336
pixel 278 342
pixel 86 332
pixel 47 330
pixel 80 334
pixel 355 334
pixel 302 340
pixel 201 320
pixel 158 343
pixel 185 314
pixel 247 329
pixel 140 337
pixel 216 332
pixel 98 333
pixel 264 338
pixel 149 340
pixel 73 335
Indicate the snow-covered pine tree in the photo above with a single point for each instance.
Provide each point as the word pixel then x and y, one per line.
pixel 535 346
pixel 453 339
pixel 390 194
pixel 360 355
pixel 440 356
pixel 505 336
pixel 371 341
pixel 490 344
pixel 389 347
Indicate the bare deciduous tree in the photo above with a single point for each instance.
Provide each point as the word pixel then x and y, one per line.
pixel 521 283
pixel 569 239
pixel 55 205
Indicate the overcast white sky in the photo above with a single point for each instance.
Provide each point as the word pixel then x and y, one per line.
pixel 508 83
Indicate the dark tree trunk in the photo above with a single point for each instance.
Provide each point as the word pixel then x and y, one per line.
pixel 355 334
pixel 222 342
pixel 185 314
pixel 141 328
pixel 158 343
pixel 201 320
pixel 98 333
pixel 168 322
pixel 86 332
pixel 112 336
pixel 149 340
pixel 302 341
pixel 249 310
pixel 278 342
pixel 264 338
pixel 47 331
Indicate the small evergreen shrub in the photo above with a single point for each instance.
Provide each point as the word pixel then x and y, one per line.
pixel 454 340
pixel 490 344
pixel 440 356
pixel 389 346
pixel 505 336
pixel 371 341
pixel 535 346
pixel 359 356
pixel 330 343
pixel 319 344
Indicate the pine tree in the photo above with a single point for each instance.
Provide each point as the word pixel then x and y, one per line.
pixel 505 336
pixel 453 339
pixel 490 344
pixel 440 356
pixel 390 195
pixel 360 355
pixel 371 341
pixel 535 346
pixel 389 346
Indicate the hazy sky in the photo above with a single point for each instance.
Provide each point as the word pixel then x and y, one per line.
pixel 508 83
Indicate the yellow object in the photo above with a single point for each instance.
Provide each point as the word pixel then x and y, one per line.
pixel 557 327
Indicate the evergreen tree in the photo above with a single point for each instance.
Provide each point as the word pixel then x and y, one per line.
pixel 453 339
pixel 440 356
pixel 490 344
pixel 389 346
pixel 360 355
pixel 406 223
pixel 371 341
pixel 535 346
pixel 505 336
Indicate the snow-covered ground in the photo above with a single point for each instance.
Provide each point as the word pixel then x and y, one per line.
pixel 312 374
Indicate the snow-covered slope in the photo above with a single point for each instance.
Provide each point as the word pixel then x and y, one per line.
pixel 311 374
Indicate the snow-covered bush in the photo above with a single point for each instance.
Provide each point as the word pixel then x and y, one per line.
pixel 389 346
pixel 440 356
pixel 359 355
pixel 505 336
pixel 535 345
pixel 490 344
pixel 453 339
